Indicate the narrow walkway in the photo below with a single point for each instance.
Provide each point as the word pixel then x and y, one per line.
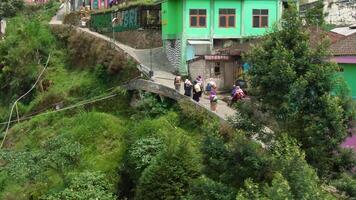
pixel 162 72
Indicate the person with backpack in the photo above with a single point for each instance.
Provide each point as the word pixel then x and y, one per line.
pixel 188 88
pixel 197 91
pixel 177 83
pixel 213 101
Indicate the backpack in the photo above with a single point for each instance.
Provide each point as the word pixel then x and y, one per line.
pixel 197 88
pixel 208 87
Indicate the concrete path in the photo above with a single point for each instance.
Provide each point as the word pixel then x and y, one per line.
pixel 162 69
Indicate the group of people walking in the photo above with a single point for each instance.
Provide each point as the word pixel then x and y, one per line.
pixel 195 89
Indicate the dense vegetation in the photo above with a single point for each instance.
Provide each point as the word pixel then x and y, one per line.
pixel 150 148
pixel 8 8
pixel 296 84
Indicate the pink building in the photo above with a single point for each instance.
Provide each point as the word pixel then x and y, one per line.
pixel 99 4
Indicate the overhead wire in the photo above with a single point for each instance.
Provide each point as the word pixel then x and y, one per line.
pixel 22 96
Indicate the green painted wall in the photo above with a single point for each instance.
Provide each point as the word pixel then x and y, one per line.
pixel 200 33
pixel 350 77
pixel 172 15
pixel 249 5
pixel 227 32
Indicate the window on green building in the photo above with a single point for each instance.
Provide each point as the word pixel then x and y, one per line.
pixel 197 17
pixel 227 18
pixel 259 18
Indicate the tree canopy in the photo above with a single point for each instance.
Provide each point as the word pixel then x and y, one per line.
pixel 296 83
pixel 8 8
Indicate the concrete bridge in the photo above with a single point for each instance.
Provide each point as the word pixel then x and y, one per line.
pixel 162 90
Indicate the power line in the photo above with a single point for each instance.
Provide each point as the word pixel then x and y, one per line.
pixel 17 100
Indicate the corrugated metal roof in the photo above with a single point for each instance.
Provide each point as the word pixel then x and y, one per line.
pixel 346 31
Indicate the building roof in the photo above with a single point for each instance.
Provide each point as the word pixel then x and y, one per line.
pixel 345 46
pixel 317 34
pixel 346 31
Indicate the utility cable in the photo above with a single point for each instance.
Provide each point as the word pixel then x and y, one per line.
pixel 17 100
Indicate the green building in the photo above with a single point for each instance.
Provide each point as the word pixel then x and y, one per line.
pixel 197 34
pixel 344 53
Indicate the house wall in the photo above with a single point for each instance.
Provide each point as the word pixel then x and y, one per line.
pixel 172 16
pixel 227 32
pixel 192 32
pixel 249 5
pixel 224 80
pixel 349 74
pixel 176 26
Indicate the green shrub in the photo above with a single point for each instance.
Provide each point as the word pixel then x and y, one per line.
pixel 84 186
pixel 205 188
pixel 347 184
pixel 61 153
pixel 168 177
pixel 143 152
pixel 150 106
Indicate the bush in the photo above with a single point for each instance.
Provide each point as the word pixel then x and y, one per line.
pixel 205 188
pixel 84 186
pixel 169 176
pixel 150 106
pixel 347 184
pixel 143 152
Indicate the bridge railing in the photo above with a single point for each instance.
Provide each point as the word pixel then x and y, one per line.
pixel 146 71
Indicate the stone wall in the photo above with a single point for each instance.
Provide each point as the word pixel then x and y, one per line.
pixel 337 12
pixel 139 39
pixel 340 12
pixel 173 50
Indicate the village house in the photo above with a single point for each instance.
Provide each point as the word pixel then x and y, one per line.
pixel 196 32
pixel 344 53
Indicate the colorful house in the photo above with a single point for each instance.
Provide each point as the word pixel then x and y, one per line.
pixel 195 31
pixel 344 52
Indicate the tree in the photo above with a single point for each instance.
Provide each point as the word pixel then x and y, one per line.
pixel 289 161
pixel 169 176
pixel 8 8
pixel 205 188
pixel 279 189
pixel 295 82
pixel 315 15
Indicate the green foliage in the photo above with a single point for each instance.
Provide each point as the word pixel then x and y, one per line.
pixel 23 53
pixel 168 177
pixel 59 145
pixel 295 82
pixel 234 162
pixel 143 152
pixel 193 116
pixel 205 188
pixel 346 183
pixel 8 8
pixel 279 189
pixel 315 15
pixel 251 190
pixel 61 153
pixel 150 105
pixel 84 186
pixel 216 157
pixel 302 178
